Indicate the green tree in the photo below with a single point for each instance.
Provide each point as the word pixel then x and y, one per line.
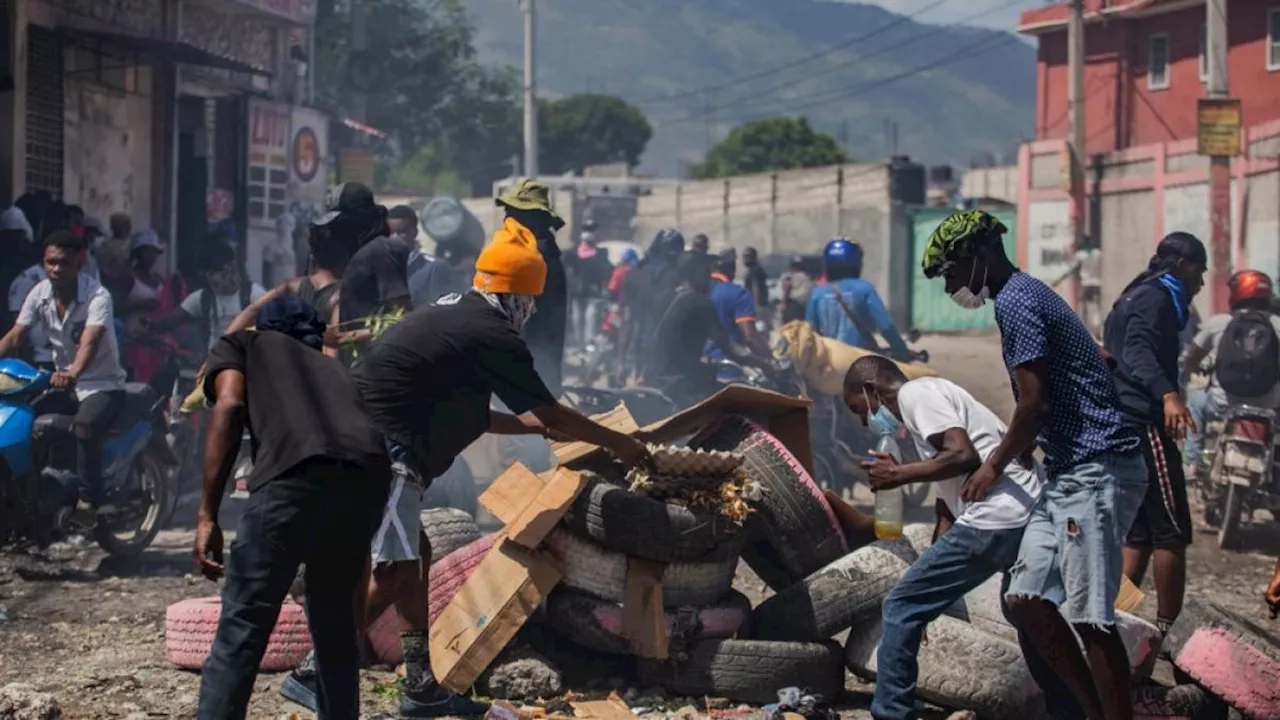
pixel 780 143
pixel 589 129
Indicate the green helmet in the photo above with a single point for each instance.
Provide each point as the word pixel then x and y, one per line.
pixel 958 237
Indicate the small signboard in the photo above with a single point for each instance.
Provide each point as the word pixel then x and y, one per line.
pixel 1220 120
pixel 356 165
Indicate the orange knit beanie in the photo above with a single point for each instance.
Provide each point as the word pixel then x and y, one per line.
pixel 511 263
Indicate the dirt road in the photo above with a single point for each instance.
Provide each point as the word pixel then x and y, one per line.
pixel 90 630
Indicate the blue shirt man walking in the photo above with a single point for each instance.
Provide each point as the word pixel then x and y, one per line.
pixel 848 308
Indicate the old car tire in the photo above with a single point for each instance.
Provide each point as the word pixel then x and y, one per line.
pixel 190 625
pixel 635 525
pixel 919 535
pixel 446 578
pixel 597 624
pixel 1183 702
pixel 981 608
pixel 750 671
pixel 1228 656
pixel 448 529
pixel 793 517
pixel 846 593
pixel 1003 690
pixel 602 573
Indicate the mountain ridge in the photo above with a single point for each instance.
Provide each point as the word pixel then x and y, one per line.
pixel 954 92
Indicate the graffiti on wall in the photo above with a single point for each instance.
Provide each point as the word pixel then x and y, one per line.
pixel 1050 245
pixel 239 37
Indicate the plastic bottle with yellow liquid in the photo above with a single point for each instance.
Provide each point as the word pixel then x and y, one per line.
pixel 889 503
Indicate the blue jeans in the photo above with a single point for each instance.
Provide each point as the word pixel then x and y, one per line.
pixel 1071 554
pixel 961 560
pixel 1203 409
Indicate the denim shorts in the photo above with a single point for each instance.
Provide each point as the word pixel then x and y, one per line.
pixel 1071 550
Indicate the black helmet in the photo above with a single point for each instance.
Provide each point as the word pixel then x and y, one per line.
pixel 668 242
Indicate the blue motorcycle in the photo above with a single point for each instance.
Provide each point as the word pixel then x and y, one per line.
pixel 39 486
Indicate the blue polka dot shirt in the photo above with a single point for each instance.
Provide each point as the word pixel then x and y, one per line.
pixel 1084 407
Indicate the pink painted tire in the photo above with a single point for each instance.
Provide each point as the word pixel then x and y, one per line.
pixel 796 532
pixel 1229 656
pixel 444 581
pixel 189 627
pixel 597 624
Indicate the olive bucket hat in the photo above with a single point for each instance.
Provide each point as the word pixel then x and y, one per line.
pixel 530 194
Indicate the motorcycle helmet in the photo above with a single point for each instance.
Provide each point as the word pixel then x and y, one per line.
pixel 668 242
pixel 842 252
pixel 1249 285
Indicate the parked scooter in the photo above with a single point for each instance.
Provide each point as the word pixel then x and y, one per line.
pixel 39 487
pixel 1237 474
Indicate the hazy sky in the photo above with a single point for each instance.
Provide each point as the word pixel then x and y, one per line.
pixel 1001 14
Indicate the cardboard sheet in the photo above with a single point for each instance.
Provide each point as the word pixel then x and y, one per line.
pixel 613 708
pixel 490 608
pixel 642 615
pixel 1129 596
pixel 618 419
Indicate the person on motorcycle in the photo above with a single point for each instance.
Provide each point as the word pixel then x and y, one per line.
pixel 75 312
pixel 1249 292
pixel 848 308
pixel 954 434
pixel 691 322
pixel 734 305
pixel 1069 566
pixel 320 479
pixel 1141 334
pixel 647 293
pixel 427 384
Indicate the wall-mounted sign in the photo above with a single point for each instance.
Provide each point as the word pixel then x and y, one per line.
pixel 356 165
pixel 1219 127
pixel 306 154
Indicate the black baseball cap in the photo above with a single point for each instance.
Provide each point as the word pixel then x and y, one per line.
pixel 345 197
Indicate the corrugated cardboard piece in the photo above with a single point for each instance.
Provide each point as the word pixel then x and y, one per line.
pixel 618 419
pixel 510 582
pixel 1129 596
pixel 642 616
pixel 613 708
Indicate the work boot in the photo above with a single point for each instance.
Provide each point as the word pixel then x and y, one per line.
pixel 435 702
pixel 303 684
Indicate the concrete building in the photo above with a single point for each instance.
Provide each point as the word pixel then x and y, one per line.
pixel 1145 68
pixel 182 113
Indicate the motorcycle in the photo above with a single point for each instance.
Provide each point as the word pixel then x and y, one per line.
pixel 1237 473
pixel 39 487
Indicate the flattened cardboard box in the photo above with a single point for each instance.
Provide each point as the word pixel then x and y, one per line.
pixel 510 582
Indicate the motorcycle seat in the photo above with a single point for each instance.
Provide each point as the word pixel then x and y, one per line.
pixel 139 400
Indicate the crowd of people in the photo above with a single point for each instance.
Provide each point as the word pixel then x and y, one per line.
pixel 361 380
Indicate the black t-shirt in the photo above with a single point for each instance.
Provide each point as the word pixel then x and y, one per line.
pixel 591 275
pixel 757 282
pixel 427 382
pixel 376 275
pixel 682 335
pixel 545 331
pixel 302 404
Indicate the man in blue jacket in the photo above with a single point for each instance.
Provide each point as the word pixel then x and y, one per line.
pixel 1142 334
pixel 848 308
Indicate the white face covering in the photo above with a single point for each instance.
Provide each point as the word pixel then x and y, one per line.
pixel 968 299
pixel 517 308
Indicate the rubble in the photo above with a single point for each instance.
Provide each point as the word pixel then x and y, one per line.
pixel 520 673
pixel 23 702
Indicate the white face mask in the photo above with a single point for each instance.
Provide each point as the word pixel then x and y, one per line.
pixel 968 299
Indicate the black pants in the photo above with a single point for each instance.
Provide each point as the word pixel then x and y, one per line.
pixel 93 418
pixel 322 514
pixel 1164 522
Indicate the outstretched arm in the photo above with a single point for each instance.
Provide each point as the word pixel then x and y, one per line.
pixel 887 329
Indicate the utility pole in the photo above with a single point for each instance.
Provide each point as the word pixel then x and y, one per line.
pixel 1076 141
pixel 709 116
pixel 530 93
pixel 1219 165
pixel 359 45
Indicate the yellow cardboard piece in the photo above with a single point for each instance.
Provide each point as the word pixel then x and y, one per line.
pixel 643 623
pixel 508 495
pixel 1129 596
pixel 618 419
pixel 612 708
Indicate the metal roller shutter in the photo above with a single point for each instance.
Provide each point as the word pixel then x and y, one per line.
pixel 45 108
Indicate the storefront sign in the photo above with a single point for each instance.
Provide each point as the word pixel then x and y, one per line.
pixel 356 165
pixel 308 155
pixel 1219 127
pixel 269 136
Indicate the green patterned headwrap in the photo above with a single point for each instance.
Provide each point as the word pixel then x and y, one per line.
pixel 958 237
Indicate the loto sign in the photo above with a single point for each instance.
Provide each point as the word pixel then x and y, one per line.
pixel 287 158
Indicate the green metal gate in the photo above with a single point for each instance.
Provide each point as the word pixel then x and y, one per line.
pixel 931 309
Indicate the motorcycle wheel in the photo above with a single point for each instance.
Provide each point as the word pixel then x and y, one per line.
pixel 133 528
pixel 1229 531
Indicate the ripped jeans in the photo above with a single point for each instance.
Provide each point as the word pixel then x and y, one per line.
pixel 1071 553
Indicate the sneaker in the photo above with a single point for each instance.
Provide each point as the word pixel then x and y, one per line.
pixel 302 689
pixel 438 702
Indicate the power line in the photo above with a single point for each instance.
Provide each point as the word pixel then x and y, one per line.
pixel 970 50
pixel 794 63
pixel 857 59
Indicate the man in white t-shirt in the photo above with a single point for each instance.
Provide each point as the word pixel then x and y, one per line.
pixel 979 529
pixel 75 312
pixel 231 289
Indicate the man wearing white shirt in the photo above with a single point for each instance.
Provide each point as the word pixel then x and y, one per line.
pixel 75 311
pixel 979 529
pixel 228 291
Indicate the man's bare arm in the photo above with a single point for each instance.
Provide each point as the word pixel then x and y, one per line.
pixel 90 341
pixel 1028 416
pixel 226 424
